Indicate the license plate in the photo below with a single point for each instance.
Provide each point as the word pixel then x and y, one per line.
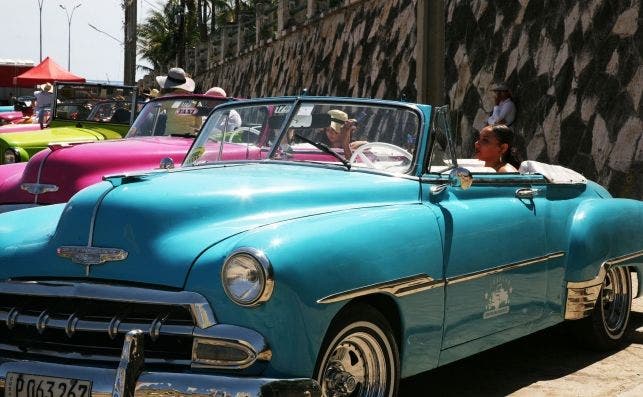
pixel 26 385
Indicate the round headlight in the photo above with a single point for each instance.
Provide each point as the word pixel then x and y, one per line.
pixel 247 277
pixel 11 156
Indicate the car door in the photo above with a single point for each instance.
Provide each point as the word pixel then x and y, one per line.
pixel 495 259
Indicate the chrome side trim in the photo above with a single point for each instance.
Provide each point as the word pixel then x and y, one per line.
pixel 131 364
pixel 623 258
pixel 198 306
pixel 582 295
pixel 422 282
pixel 400 287
pixel 504 268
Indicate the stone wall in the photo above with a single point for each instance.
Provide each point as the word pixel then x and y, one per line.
pixel 575 69
pixel 574 66
pixel 365 49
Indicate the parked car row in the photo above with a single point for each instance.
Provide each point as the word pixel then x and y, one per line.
pixel 229 247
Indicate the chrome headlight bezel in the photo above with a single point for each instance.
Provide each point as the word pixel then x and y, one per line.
pixel 256 261
pixel 10 152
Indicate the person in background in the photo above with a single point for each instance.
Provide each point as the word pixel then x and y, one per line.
pixel 504 111
pixel 339 133
pixel 176 82
pixel 234 119
pixel 44 102
pixel 495 148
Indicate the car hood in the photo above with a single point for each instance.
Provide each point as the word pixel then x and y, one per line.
pixel 73 167
pixel 41 138
pixel 165 220
pixel 9 128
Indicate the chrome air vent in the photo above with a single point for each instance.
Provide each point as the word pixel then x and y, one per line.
pixel 89 321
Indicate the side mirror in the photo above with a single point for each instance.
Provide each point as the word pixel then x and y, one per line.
pixel 458 178
pixel 166 163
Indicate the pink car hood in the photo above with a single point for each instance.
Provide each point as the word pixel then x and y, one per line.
pixel 19 127
pixel 71 168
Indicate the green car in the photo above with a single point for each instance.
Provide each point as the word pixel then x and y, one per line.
pixel 81 113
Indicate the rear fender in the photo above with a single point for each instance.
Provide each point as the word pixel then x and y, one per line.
pixel 603 233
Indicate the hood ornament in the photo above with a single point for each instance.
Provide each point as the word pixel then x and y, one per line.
pixel 89 256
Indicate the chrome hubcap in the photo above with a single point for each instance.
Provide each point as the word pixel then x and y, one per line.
pixel 356 367
pixel 615 300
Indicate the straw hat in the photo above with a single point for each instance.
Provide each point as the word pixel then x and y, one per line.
pixel 337 119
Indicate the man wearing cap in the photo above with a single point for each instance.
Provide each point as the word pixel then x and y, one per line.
pixel 340 131
pixel 44 102
pixel 504 112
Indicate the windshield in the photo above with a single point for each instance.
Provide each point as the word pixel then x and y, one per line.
pixel 350 134
pixel 94 102
pixel 173 116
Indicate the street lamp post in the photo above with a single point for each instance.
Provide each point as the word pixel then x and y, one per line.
pixel 69 17
pixel 40 9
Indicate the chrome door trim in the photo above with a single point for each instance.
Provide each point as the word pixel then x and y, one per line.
pixel 504 268
pixel 399 287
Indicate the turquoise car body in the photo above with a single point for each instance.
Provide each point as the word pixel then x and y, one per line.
pixel 454 270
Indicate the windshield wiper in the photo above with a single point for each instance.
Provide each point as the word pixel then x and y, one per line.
pixel 326 149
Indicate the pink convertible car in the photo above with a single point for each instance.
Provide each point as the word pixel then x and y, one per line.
pixel 163 130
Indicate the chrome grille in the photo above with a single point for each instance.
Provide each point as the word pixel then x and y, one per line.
pixel 89 320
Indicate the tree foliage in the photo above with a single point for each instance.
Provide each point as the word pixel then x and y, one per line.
pixel 181 24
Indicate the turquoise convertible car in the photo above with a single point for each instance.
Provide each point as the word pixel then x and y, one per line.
pixel 316 268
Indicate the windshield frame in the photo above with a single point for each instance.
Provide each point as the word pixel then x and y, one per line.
pixel 297 102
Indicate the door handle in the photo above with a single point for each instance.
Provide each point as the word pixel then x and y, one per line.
pixel 526 193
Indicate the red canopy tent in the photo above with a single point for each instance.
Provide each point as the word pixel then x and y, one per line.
pixel 46 71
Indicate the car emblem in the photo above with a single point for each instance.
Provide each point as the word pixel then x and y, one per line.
pixel 89 256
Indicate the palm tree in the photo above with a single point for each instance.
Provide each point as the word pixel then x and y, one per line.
pixel 157 37
pixel 163 37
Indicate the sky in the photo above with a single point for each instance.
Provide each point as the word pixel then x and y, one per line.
pixel 94 55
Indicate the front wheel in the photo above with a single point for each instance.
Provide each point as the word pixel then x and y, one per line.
pixel 606 328
pixel 359 356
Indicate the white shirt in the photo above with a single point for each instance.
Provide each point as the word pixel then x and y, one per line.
pixel 505 110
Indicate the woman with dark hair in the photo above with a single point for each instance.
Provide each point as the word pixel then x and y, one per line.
pixel 495 148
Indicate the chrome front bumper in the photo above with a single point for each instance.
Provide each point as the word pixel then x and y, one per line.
pixel 131 379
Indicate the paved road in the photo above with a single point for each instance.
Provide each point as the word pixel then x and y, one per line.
pixel 544 364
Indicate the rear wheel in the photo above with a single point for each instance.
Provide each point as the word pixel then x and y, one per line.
pixel 359 356
pixel 607 326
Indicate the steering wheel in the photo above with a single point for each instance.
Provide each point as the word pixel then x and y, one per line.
pixel 239 130
pixel 359 153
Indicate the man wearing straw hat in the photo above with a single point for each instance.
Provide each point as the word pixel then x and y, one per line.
pixel 44 102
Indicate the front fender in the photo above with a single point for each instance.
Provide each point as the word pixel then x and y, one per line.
pixel 318 256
